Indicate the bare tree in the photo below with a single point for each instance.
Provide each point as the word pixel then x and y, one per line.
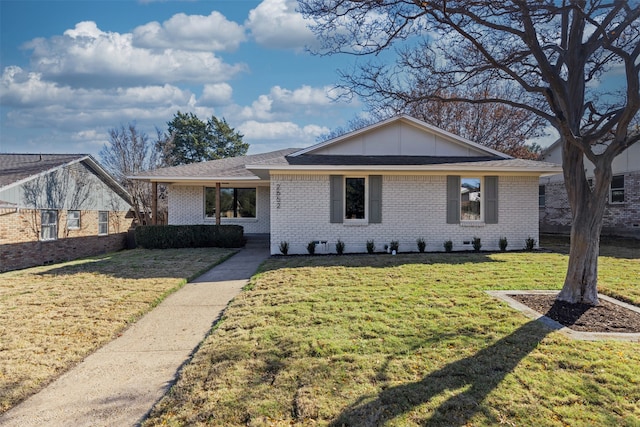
pixel 556 54
pixel 128 153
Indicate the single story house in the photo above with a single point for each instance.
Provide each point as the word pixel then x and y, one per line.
pixel 397 180
pixel 57 207
pixel 622 212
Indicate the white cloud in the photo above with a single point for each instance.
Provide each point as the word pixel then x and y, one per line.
pixel 276 24
pixel 281 103
pixel 281 130
pixel 216 94
pixel 87 56
pixel 191 32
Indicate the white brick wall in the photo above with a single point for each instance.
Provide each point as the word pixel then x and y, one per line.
pixel 186 206
pixel 412 207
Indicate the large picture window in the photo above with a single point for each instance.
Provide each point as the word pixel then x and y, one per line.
pixel 617 189
pixel 470 199
pixel 355 198
pixel 234 202
pixel 49 225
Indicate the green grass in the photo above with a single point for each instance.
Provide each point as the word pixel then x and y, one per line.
pixel 51 317
pixel 407 340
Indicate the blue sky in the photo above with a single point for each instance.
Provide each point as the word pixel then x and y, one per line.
pixel 72 70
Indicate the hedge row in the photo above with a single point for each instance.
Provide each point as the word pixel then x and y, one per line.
pixel 189 236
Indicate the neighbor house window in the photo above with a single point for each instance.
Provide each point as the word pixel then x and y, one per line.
pixel 470 199
pixel 542 196
pixel 234 202
pixel 355 198
pixel 49 225
pixel 73 220
pixel 103 222
pixel 617 189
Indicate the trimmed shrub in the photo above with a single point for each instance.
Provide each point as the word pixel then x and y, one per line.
pixel 476 244
pixel 503 244
pixel 340 247
pixel 284 247
pixel 189 236
pixel 448 246
pixel 421 245
pixel 311 247
pixel 529 244
pixel 394 245
pixel 371 246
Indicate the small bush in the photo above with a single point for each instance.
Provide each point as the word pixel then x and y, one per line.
pixel 371 246
pixel 394 245
pixel 340 247
pixel 503 244
pixel 284 247
pixel 421 245
pixel 448 246
pixel 189 236
pixel 529 244
pixel 311 247
pixel 476 244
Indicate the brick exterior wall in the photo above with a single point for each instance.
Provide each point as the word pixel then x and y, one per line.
pixel 20 245
pixel 186 207
pixel 619 219
pixel 412 207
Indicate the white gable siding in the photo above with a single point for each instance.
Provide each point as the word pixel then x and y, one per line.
pixel 186 207
pixel 625 162
pixel 412 207
pixel 398 139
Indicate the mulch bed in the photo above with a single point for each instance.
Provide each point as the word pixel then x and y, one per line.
pixel 605 317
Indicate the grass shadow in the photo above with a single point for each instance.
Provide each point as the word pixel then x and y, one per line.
pixel 476 376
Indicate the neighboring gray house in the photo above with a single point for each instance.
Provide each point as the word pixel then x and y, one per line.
pixel 622 213
pixel 56 207
pixel 400 179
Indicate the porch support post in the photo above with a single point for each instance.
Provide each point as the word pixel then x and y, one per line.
pixel 154 203
pixel 217 203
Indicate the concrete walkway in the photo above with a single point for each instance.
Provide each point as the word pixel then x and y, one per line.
pixel 118 384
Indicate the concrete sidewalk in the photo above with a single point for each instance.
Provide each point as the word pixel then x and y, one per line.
pixel 118 384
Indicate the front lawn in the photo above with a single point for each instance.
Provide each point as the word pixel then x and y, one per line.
pixel 407 340
pixel 52 317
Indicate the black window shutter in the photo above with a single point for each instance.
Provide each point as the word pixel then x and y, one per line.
pixel 453 199
pixel 491 200
pixel 375 199
pixel 336 197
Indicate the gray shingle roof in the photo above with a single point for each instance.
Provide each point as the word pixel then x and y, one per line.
pixel 16 167
pixel 232 167
pixel 342 160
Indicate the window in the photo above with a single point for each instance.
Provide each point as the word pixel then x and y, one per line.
pixel 73 220
pixel 541 196
pixel 49 225
pixel 470 199
pixel 354 198
pixel 617 189
pixel 234 202
pixel 103 223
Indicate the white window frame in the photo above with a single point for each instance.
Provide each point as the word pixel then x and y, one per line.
pixel 612 189
pixel 356 221
pixel 542 198
pixel 71 220
pixel 48 225
pixel 102 223
pixel 481 219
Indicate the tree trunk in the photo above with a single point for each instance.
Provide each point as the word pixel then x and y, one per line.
pixel 587 211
